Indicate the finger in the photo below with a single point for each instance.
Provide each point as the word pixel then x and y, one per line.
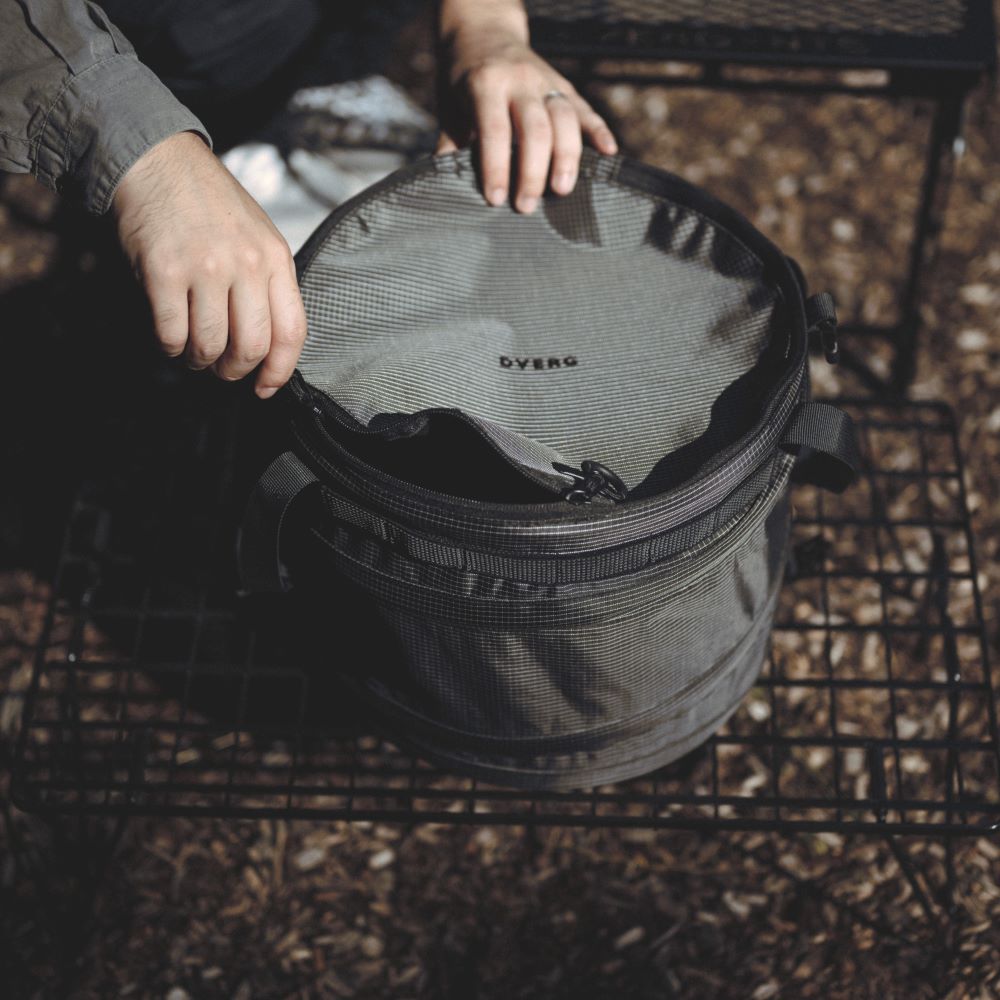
pixel 493 125
pixel 595 128
pixel 208 324
pixel 249 329
pixel 445 144
pixel 169 306
pixel 567 144
pixel 288 333
pixel 534 132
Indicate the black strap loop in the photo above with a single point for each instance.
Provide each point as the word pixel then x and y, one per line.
pixel 258 556
pixel 828 449
pixel 821 318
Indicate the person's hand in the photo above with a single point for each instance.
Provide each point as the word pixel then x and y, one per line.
pixel 219 277
pixel 498 90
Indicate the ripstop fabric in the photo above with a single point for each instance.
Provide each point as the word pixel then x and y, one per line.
pixel 539 465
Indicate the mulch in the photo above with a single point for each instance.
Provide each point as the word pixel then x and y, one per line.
pixel 272 909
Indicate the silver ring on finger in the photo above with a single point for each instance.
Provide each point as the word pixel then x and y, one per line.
pixel 553 95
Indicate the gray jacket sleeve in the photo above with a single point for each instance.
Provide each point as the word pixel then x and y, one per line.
pixel 77 108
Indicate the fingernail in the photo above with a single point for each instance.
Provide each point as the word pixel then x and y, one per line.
pixel 266 391
pixel 563 183
pixel 527 205
pixel 497 196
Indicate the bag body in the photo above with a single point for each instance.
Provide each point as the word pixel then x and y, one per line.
pixel 544 461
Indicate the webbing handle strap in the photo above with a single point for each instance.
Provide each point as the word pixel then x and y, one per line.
pixel 827 446
pixel 258 556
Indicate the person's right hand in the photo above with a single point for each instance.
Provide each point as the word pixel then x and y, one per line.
pixel 219 277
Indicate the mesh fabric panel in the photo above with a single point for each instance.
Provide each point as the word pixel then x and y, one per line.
pixel 428 298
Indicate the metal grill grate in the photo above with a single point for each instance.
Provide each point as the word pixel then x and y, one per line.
pixel 940 36
pixel 905 17
pixel 157 692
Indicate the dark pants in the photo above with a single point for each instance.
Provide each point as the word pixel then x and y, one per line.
pixel 235 62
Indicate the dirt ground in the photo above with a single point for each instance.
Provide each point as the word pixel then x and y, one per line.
pixel 280 910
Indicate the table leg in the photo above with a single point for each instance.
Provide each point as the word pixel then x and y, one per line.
pixel 943 150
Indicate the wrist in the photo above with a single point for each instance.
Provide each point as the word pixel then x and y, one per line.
pixel 500 21
pixel 151 166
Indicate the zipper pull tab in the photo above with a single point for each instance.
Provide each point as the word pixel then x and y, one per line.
pixel 821 318
pixel 596 480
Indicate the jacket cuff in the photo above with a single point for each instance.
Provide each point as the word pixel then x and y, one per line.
pixel 104 119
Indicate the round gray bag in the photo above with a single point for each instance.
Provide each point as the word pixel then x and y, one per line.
pixel 537 466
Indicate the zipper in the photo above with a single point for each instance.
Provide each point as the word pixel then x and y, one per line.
pixel 593 481
pixel 536 527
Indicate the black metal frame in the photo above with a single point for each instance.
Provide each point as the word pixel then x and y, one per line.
pixel 157 692
pixel 941 69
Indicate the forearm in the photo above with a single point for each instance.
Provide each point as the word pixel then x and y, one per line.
pixel 77 108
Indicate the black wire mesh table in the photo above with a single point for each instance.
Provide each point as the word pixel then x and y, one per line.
pixel 933 50
pixel 157 691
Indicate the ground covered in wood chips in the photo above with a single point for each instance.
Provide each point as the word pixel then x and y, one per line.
pixel 205 908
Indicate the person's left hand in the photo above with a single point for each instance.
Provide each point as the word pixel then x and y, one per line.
pixel 499 91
